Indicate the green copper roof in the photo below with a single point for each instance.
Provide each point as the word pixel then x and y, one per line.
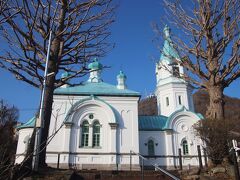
pixel 29 124
pixel 98 88
pixel 121 75
pixel 169 52
pixel 95 65
pixel 152 123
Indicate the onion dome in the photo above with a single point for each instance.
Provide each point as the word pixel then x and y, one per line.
pixel 95 65
pixel 121 75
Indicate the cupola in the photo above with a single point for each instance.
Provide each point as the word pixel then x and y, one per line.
pixel 121 79
pixel 95 71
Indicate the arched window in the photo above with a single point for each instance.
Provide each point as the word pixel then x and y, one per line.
pixel 85 133
pixel 96 134
pixel 151 148
pixel 185 147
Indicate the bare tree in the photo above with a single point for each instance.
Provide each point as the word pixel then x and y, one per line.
pixel 8 115
pixel 3 8
pixel 208 46
pixel 80 31
pixel 8 120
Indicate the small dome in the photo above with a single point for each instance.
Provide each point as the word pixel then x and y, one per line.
pixel 121 75
pixel 65 75
pixel 95 65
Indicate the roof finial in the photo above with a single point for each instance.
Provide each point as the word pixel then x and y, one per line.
pixel 166 31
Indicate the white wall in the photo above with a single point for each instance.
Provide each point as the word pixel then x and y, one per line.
pixel 172 91
pixel 171 87
pixel 159 146
pixel 113 141
pixel 23 140
pixel 168 142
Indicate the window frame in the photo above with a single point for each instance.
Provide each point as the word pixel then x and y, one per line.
pixel 85 135
pixel 96 136
pixel 151 148
pixel 185 147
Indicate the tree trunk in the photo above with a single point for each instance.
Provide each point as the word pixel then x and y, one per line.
pixel 47 111
pixel 55 58
pixel 216 103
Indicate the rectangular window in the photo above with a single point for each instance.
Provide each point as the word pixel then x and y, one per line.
pixel 167 101
pixel 96 140
pixel 96 134
pixel 84 139
pixel 179 100
pixel 185 149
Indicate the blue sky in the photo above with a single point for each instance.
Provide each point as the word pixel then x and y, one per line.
pixel 134 53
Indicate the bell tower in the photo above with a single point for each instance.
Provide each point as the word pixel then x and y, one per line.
pixel 172 90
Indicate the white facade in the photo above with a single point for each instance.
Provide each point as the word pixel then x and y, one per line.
pixel 95 125
pixel 118 124
pixel 24 136
pixel 168 142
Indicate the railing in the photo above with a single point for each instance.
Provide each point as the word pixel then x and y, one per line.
pixel 154 165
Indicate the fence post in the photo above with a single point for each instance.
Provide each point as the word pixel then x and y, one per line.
pixel 236 169
pixel 205 157
pixel 199 157
pixel 58 160
pixel 180 158
pixel 130 161
pixel 142 169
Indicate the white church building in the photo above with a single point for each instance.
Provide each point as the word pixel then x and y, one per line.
pixel 99 124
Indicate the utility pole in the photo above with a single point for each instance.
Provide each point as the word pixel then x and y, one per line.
pixel 40 121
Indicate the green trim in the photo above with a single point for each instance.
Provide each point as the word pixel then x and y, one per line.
pixel 29 124
pixel 97 88
pixel 98 94
pixel 183 108
pixel 92 97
